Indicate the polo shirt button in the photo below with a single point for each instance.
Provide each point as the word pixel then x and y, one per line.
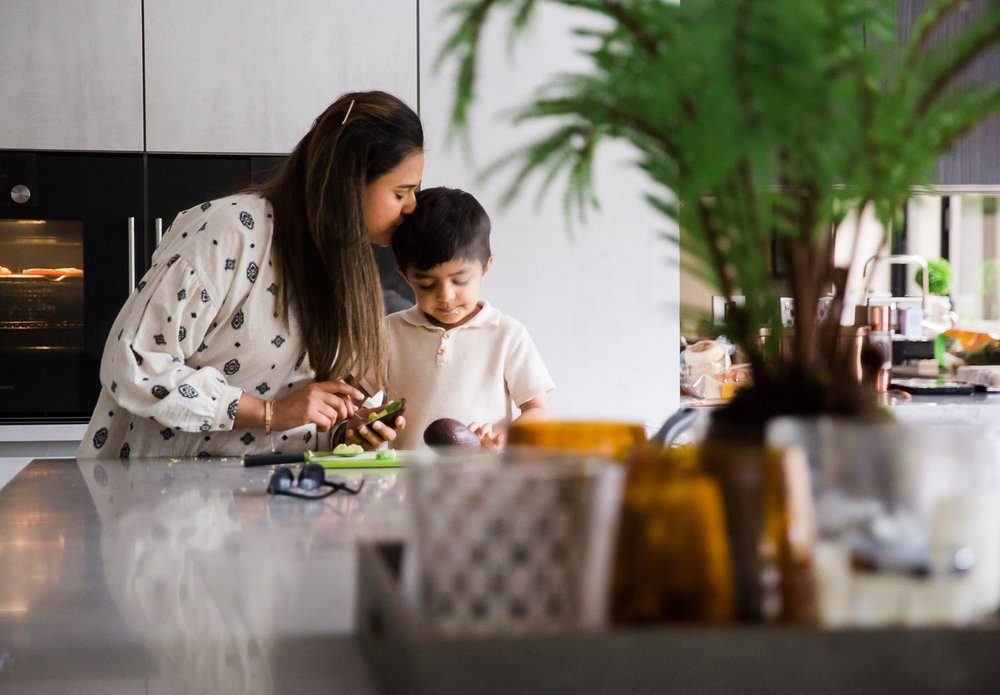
pixel 445 336
pixel 440 351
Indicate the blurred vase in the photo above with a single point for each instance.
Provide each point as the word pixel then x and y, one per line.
pixel 908 520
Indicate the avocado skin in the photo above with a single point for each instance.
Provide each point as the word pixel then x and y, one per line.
pixel 447 432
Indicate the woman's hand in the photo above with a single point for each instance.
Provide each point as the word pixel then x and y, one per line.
pixel 487 437
pixel 371 436
pixel 324 403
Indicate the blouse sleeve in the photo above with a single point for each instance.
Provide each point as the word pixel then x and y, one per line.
pixel 145 363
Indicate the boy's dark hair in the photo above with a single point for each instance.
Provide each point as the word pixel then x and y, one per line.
pixel 447 223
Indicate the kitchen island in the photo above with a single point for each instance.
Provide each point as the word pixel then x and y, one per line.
pixel 163 576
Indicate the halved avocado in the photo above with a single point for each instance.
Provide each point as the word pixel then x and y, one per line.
pixel 391 410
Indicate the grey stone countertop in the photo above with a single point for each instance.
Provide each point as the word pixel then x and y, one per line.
pixel 164 576
pixel 977 409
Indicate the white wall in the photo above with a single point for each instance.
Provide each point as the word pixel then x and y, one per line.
pixel 602 307
pixel 871 242
pixel 923 234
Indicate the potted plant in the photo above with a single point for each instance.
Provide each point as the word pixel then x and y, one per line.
pixel 938 276
pixel 764 127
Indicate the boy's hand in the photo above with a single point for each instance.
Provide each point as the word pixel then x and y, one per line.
pixel 487 437
pixel 371 436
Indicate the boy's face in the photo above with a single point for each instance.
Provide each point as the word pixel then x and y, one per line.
pixel 448 293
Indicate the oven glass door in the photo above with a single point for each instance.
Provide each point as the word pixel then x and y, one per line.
pixel 68 254
pixel 41 285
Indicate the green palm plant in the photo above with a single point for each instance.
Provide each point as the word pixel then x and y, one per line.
pixel 759 124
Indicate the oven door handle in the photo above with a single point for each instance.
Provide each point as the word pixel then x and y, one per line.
pixel 158 225
pixel 131 254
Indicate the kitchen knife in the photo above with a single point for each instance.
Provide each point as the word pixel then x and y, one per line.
pixel 272 459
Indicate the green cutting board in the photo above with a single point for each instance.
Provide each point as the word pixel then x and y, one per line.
pixel 365 459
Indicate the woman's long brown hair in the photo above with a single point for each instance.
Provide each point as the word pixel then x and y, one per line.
pixel 327 268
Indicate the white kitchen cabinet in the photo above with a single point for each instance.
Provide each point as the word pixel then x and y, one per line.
pixel 249 76
pixel 71 75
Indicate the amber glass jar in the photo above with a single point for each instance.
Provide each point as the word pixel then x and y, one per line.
pixel 611 439
pixel 673 561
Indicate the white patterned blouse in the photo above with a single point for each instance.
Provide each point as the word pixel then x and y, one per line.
pixel 204 325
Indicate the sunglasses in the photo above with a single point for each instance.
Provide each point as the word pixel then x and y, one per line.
pixel 311 479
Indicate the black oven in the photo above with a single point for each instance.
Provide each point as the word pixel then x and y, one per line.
pixel 71 245
pixel 76 234
pixel 77 231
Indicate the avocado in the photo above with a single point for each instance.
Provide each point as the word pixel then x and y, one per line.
pixel 389 412
pixel 446 432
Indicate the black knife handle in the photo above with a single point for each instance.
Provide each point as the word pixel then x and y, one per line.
pixel 272 459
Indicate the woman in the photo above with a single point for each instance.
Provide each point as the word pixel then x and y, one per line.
pixel 241 336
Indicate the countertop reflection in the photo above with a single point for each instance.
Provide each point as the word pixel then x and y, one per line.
pixel 164 576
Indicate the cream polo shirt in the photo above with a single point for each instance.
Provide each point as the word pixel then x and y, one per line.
pixel 469 373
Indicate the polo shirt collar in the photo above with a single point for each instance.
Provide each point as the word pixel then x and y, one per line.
pixel 487 316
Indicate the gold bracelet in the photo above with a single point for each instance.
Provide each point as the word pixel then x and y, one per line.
pixel 268 412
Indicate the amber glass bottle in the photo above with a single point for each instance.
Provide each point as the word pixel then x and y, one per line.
pixel 673 559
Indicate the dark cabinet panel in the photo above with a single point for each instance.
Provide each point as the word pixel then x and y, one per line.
pixel 976 159
pixel 179 182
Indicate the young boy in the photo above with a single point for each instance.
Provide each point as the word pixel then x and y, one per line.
pixel 453 355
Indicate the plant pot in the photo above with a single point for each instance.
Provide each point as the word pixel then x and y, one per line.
pixel 770 525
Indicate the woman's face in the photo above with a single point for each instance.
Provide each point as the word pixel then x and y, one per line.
pixel 391 196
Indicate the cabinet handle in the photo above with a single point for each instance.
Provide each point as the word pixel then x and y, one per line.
pixel 131 254
pixel 158 225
